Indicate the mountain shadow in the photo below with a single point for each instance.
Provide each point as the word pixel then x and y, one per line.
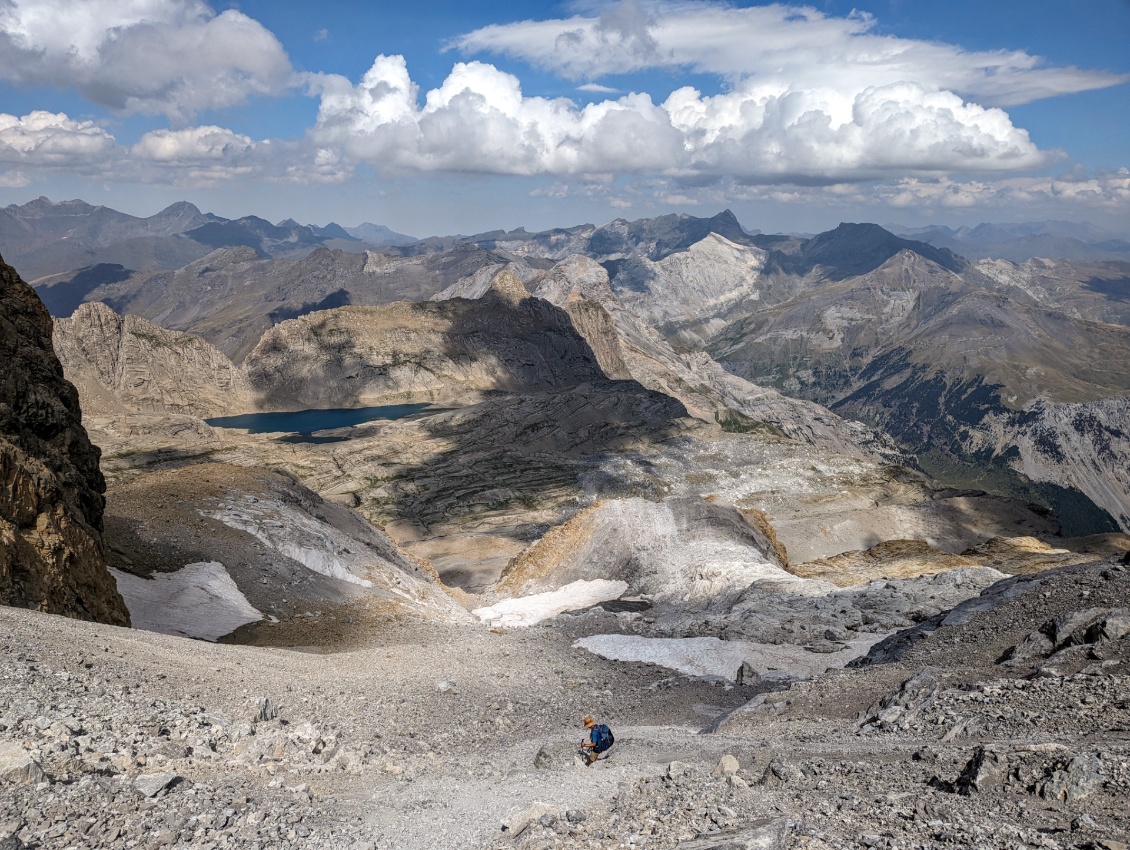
pixel 532 411
pixel 530 446
pixel 1113 289
pixel 63 297
pixel 337 298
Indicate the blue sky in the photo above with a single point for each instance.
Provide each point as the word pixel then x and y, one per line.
pixel 447 117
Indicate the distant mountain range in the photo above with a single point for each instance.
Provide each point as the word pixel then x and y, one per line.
pixel 1001 375
pixel 43 237
pixel 1066 240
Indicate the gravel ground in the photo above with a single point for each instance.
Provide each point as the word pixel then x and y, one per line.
pixel 438 736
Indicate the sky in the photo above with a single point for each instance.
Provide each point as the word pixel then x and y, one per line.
pixel 459 117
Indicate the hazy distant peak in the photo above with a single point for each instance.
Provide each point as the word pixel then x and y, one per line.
pixel 334 230
pixel 180 208
pixel 1020 241
pixel 378 235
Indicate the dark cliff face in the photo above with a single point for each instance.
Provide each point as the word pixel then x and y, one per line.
pixel 51 502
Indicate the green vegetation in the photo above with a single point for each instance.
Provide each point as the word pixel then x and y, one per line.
pixel 734 422
pixel 166 340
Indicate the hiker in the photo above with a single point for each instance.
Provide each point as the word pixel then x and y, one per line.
pixel 598 741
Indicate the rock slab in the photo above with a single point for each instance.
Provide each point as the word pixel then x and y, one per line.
pixel 17 766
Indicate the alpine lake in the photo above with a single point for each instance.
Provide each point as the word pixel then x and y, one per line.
pixel 302 426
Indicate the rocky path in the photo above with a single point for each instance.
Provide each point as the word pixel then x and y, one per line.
pixel 109 734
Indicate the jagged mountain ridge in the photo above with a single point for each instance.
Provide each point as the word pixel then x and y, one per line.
pixel 232 295
pixel 912 339
pixel 538 430
pixel 378 235
pixel 931 356
pixel 432 350
pixel 846 250
pixel 1057 327
pixel 286 239
pixel 462 468
pixel 43 238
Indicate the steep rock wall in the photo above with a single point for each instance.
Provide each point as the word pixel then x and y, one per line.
pixel 51 503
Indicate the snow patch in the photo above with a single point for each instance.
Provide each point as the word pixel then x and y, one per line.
pixel 199 601
pixel 528 610
pixel 711 656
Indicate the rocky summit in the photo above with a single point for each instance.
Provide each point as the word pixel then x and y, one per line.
pixel 388 524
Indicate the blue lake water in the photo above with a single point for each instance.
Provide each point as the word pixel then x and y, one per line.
pixel 303 423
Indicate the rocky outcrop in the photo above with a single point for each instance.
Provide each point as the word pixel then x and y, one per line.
pixel 128 364
pixel 204 549
pixel 996 376
pixel 51 503
pixel 706 279
pixel 233 294
pixel 429 351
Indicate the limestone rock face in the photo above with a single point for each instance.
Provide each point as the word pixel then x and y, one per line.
pixel 129 364
pixel 1085 446
pixel 678 550
pixel 628 346
pixel 51 503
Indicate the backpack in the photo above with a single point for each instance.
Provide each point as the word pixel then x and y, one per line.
pixel 602 738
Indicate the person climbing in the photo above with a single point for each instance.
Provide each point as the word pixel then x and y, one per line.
pixel 598 740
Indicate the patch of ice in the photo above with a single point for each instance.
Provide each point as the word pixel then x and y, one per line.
pixel 528 610
pixel 297 535
pixel 710 656
pixel 198 601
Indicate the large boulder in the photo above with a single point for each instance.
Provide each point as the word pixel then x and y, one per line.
pixel 51 489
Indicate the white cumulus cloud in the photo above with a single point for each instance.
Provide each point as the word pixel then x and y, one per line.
pixel 1104 195
pixel 49 139
pixel 171 57
pixel 478 120
pixel 1110 190
pixel 193 144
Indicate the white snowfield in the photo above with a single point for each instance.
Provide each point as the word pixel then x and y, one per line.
pixel 198 601
pixel 529 610
pixel 710 656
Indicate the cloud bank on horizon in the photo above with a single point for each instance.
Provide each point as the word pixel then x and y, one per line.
pixel 806 105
